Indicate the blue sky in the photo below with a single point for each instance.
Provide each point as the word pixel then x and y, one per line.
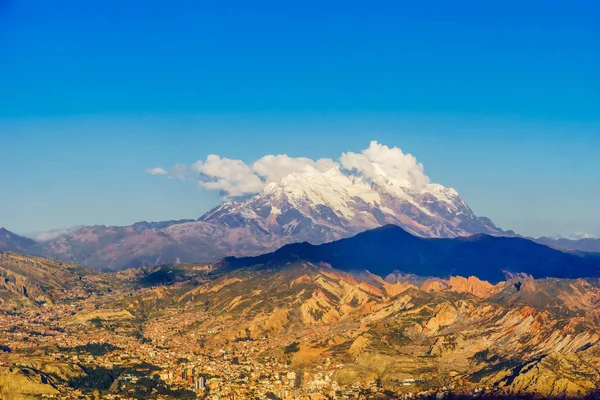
pixel 500 101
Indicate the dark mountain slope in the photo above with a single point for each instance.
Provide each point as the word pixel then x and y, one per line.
pixel 588 244
pixel 12 242
pixel 384 250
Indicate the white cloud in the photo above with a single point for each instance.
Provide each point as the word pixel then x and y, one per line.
pixel 53 234
pixel 235 178
pixel 157 171
pixel 273 168
pixel 180 172
pixel 384 165
pixel 232 178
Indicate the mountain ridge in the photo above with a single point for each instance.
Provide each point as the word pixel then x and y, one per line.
pixel 390 248
pixel 460 336
pixel 312 206
pixel 10 241
pixel 343 204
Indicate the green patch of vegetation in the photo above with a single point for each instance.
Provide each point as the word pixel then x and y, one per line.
pixel 292 348
pixel 97 322
pixel 146 386
pixel 244 339
pixel 163 276
pixel 95 378
pixel 95 349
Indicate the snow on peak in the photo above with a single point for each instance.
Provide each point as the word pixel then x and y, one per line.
pixel 310 170
pixel 332 173
pixel 447 195
pixel 330 188
pixel 437 188
pixel 340 191
pixel 577 236
pixel 356 202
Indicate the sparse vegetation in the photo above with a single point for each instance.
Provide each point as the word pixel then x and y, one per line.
pixel 292 348
pixel 94 349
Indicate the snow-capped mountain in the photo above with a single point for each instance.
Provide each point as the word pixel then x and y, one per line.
pixel 322 206
pixel 310 206
pixel 576 236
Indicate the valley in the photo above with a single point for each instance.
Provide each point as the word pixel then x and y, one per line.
pixel 294 324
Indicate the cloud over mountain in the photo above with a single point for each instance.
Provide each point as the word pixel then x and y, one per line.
pixel 157 171
pixel 46 236
pixel 274 168
pixel 378 163
pixel 230 177
pixel 384 165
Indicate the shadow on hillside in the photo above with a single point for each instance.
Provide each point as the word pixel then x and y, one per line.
pixel 438 396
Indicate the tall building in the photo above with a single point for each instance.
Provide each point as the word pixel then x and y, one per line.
pixel 200 383
pixel 299 379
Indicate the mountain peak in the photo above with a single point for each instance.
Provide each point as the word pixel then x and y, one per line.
pixel 12 242
pixel 320 206
pixel 6 233
pixel 333 172
pixel 310 205
pixel 310 170
pixel 388 228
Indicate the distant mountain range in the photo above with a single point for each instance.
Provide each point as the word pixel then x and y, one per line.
pixel 388 249
pixel 587 244
pixel 311 206
pixel 13 242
